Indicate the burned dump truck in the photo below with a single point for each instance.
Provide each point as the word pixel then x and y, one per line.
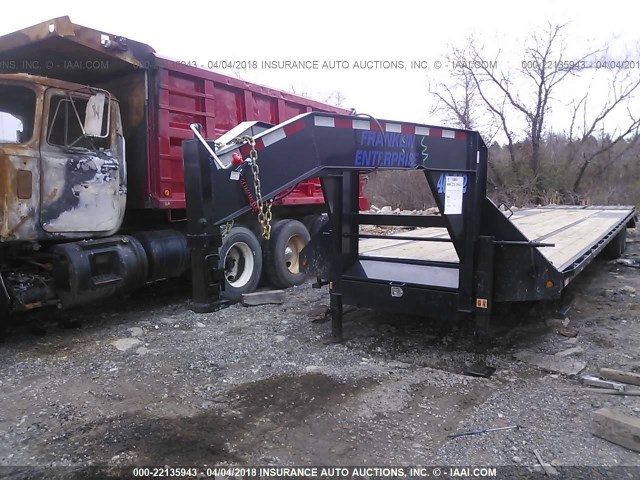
pixel 92 195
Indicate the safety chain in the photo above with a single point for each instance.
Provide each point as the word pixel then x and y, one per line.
pixel 227 228
pixel 264 208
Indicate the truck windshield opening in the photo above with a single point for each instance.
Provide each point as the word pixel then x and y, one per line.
pixel 66 117
pixel 17 112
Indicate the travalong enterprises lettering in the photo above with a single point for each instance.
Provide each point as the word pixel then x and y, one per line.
pixel 332 472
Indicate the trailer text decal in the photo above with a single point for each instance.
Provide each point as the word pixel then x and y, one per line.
pixel 386 150
pixel 453 193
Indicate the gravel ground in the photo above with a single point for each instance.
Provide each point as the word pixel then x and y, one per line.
pixel 145 381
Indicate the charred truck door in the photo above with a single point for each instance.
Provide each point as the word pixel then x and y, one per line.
pixel 83 178
pixel 19 109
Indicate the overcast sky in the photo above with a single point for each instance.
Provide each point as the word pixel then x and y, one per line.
pixel 341 30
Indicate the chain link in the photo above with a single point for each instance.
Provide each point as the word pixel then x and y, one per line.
pixel 264 208
pixel 227 228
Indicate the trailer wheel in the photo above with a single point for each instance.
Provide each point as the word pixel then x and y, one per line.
pixel 282 253
pixel 241 255
pixel 617 246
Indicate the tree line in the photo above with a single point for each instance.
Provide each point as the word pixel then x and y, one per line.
pixel 588 154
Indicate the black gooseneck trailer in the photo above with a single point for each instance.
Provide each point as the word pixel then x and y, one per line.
pixel 458 263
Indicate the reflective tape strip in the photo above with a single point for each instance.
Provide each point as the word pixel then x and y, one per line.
pixel 358 124
pixel 324 122
pixel 273 137
pixel 448 134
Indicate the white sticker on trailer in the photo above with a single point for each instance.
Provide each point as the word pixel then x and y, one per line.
pixel 453 193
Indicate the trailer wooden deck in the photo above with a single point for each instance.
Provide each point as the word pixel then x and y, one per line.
pixel 572 230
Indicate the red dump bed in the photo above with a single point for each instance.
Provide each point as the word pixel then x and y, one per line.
pixel 193 95
pixel 159 99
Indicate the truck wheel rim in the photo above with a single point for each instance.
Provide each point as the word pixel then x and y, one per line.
pixel 292 250
pixel 238 265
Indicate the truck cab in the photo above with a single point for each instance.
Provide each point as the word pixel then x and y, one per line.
pixel 62 160
pixel 77 223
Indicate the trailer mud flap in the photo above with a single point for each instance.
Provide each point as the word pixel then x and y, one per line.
pixel 316 256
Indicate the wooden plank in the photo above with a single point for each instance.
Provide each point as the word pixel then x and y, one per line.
pixel 586 227
pixel 610 391
pixel 370 244
pixel 417 250
pixel 549 470
pixel 617 428
pixel 536 226
pixel 262 298
pixel 570 243
pixel 620 376
pixel 409 249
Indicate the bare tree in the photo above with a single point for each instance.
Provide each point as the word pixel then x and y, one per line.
pixel 544 66
pixel 335 98
pixel 457 100
pixel 300 92
pixel 517 96
pixel 624 86
pixel 460 103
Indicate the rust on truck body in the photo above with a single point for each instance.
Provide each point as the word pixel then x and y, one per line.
pixel 48 192
pixel 18 216
pixel 56 46
pixel 65 182
pixel 160 98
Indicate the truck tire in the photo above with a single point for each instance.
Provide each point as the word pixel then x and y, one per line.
pixel 282 253
pixel 241 256
pixel 616 246
pixel 315 223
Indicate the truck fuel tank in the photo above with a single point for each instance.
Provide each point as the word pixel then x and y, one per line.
pixel 90 270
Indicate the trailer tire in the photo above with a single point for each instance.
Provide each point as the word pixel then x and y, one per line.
pixel 616 246
pixel 282 253
pixel 241 256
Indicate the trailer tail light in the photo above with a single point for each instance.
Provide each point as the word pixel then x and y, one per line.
pixel 166 192
pixel 549 284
